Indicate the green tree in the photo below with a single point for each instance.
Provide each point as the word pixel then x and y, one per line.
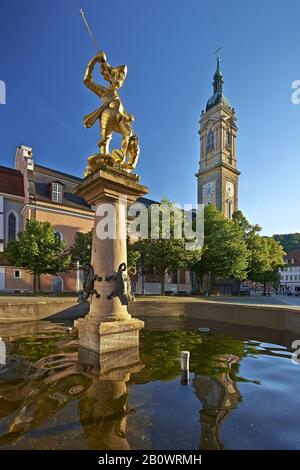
pixel 133 255
pixel 265 253
pixel 39 251
pixel 225 252
pixel 165 251
pixel 275 253
pixel 289 241
pixel 81 250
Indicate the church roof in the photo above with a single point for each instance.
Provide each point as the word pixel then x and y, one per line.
pixel 218 96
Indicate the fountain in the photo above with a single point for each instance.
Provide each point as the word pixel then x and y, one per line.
pixel 111 188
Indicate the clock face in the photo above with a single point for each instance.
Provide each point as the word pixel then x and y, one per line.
pixel 208 189
pixel 229 189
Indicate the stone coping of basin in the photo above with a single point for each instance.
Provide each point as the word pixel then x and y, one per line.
pixel 210 300
pixel 13 300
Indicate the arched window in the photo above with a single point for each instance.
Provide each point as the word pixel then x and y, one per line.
pixel 229 209
pixel 228 138
pixel 12 227
pixel 57 285
pixel 210 140
pixel 59 235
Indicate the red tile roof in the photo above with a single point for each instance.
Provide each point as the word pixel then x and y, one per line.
pixel 11 181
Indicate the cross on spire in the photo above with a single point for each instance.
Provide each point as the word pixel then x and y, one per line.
pixel 218 53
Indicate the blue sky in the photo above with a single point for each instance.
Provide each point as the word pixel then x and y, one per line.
pixel 169 47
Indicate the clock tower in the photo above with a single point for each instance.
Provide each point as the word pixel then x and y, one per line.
pixel 218 174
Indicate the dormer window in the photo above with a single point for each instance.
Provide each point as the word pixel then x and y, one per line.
pixel 57 192
pixel 210 140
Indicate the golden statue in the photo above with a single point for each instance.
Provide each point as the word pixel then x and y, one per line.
pixel 112 117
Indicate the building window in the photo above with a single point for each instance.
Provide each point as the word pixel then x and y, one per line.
pixel 59 235
pixel 210 140
pixel 12 227
pixel 57 192
pixel 17 274
pixel 229 209
pixel 228 138
pixel 57 285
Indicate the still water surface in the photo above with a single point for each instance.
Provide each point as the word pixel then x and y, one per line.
pixel 243 393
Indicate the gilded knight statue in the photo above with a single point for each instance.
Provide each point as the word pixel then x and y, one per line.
pixel 112 117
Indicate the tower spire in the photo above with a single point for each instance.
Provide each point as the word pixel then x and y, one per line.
pixel 218 81
pixel 218 78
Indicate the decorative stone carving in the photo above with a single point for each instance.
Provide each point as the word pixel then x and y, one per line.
pixel 123 284
pixel 89 278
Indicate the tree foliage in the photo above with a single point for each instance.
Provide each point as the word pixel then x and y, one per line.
pixel 81 250
pixel 265 253
pixel 225 251
pixel 39 251
pixel 289 241
pixel 165 252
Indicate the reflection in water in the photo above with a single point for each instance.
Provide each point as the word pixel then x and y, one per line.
pixel 56 395
pixel 219 396
pixel 33 392
pixel 103 410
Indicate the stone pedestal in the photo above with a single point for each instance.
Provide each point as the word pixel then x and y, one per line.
pixel 109 326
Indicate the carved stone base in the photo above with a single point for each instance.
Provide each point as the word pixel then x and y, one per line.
pixel 108 335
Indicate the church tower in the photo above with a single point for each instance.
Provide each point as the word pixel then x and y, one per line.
pixel 218 174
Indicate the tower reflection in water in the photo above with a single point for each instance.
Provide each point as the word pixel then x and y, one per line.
pixel 219 396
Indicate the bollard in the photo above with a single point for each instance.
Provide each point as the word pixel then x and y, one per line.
pixel 185 366
pixel 185 360
pixel 2 352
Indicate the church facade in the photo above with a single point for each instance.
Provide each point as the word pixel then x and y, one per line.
pixel 218 176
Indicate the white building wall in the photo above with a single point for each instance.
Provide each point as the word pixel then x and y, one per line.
pixel 290 279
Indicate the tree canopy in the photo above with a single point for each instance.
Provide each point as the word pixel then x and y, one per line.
pixel 81 250
pixel 289 241
pixel 225 251
pixel 266 255
pixel 165 251
pixel 39 251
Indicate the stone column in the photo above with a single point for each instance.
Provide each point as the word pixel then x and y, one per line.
pixel 109 326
